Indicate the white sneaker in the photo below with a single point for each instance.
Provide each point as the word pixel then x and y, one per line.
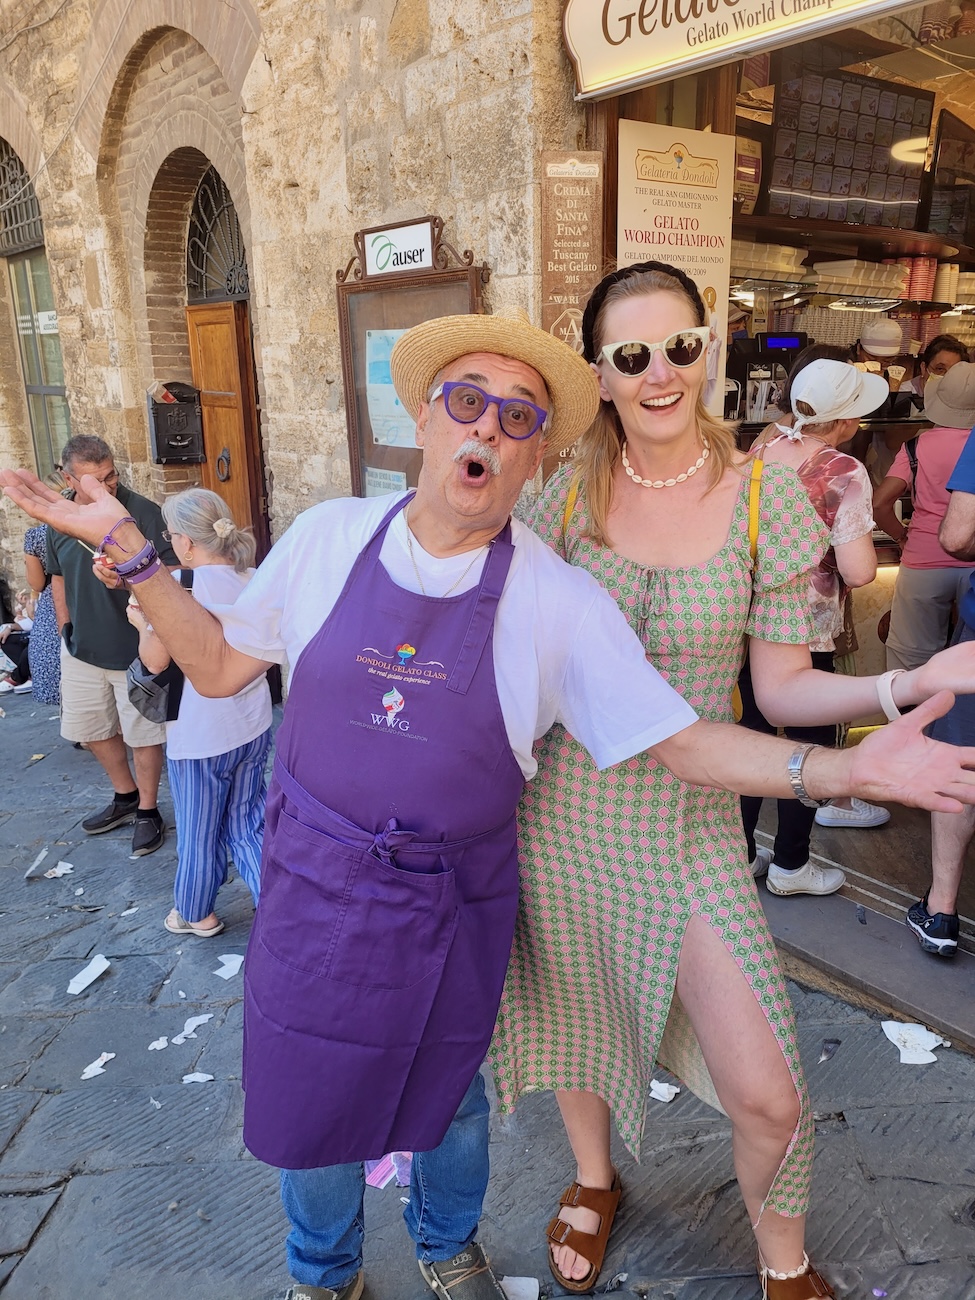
pixel 6 688
pixel 807 880
pixel 24 688
pixel 861 814
pixel 761 862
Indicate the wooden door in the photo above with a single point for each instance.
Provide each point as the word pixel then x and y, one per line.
pixel 223 371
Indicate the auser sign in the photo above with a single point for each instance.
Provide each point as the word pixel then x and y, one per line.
pixel 617 45
pixel 395 249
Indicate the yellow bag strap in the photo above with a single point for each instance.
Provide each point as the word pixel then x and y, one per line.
pixel 570 505
pixel 754 501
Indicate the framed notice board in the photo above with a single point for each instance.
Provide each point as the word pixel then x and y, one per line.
pixel 399 277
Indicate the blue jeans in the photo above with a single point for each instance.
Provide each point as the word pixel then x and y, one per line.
pixel 447 1186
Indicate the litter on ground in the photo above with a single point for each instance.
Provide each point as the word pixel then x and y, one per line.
pixel 62 869
pixel 129 911
pixel 97 1067
pixel 97 966
pixel 914 1042
pixel 663 1091
pixel 197 1078
pixel 232 963
pixel 158 1044
pixel 191 1026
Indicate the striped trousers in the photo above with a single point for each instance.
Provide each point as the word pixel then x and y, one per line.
pixel 219 806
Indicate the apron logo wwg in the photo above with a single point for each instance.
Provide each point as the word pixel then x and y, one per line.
pixel 393 703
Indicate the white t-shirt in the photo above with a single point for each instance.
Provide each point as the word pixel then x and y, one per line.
pixel 563 652
pixel 208 727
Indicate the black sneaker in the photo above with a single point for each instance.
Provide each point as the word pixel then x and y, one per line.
pixel 118 812
pixel 937 934
pixel 148 835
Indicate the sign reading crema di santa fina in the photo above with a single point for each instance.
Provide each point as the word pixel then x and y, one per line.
pixel 618 45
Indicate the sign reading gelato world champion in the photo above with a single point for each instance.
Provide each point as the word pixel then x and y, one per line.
pixel 617 45
pixel 676 194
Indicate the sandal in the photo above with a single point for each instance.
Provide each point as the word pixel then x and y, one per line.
pixel 590 1245
pixel 807 1285
pixel 175 924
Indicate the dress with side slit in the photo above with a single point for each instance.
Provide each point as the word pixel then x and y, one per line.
pixel 613 864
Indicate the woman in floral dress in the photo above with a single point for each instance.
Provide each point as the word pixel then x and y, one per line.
pixel 640 934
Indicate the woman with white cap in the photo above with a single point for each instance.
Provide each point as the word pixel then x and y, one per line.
pixel 640 935
pixel 929 581
pixel 827 399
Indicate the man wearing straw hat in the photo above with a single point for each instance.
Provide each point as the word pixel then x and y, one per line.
pixel 432 640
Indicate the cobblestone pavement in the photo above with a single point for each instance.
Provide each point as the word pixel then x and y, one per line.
pixel 132 1185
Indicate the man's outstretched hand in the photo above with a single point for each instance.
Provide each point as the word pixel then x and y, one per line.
pixel 88 522
pixel 899 764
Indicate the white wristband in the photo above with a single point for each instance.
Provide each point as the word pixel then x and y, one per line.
pixel 886 695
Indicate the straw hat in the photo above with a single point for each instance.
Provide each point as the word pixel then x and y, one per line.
pixel 423 351
pixel 949 400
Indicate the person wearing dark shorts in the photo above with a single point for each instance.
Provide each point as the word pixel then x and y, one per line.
pixel 934 918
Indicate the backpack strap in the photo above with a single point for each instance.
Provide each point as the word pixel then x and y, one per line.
pixel 754 505
pixel 911 448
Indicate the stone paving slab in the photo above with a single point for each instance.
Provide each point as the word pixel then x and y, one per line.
pixel 90 1132
pixel 128 1033
pixel 221 1055
pixel 20 937
pixel 21 1218
pixel 129 982
pixel 114 1235
pixel 932 1220
pixel 22 1040
pixel 928 1143
pixel 15 1106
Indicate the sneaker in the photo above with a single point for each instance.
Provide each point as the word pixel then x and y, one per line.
pixel 861 814
pixel 148 835
pixel 807 880
pixel 760 863
pixel 467 1276
pixel 7 688
pixel 24 688
pixel 350 1291
pixel 118 812
pixel 937 934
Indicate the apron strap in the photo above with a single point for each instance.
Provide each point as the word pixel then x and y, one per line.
pixel 384 844
pixel 481 626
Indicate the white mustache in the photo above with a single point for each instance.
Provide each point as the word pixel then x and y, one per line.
pixel 473 449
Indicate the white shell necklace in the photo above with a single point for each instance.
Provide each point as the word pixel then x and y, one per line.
pixel 667 482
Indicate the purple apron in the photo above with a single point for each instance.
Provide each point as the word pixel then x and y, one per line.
pixel 389 878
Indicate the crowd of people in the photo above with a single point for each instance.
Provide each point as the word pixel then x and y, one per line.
pixel 506 813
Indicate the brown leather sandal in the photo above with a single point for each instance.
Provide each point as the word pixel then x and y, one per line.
pixel 590 1245
pixel 807 1286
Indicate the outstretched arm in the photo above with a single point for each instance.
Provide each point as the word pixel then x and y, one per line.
pixel 957 531
pixel 192 636
pixel 897 763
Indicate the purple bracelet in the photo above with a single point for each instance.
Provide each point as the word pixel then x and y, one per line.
pixel 128 569
pixel 149 571
pixel 109 540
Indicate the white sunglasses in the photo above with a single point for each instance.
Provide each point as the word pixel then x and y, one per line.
pixel 682 349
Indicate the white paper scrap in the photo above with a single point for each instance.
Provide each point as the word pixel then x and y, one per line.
pixel 914 1042
pixel 157 1105
pixel 182 994
pixel 232 963
pixel 97 1067
pixel 520 1288
pixel 97 966
pixel 662 1091
pixel 191 1026
pixel 62 869
pixel 129 911
pixel 197 1078
pixel 78 893
pixel 158 1044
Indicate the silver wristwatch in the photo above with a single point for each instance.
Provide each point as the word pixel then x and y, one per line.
pixel 796 760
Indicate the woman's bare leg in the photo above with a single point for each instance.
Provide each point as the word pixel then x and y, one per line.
pixel 751 1079
pixel 586 1120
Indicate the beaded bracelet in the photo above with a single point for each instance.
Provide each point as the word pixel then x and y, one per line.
pixel 128 569
pixel 109 538
pixel 149 571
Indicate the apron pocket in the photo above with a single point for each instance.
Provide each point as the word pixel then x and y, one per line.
pixel 306 880
pixel 396 928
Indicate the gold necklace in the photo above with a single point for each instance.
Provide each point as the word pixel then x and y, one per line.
pixel 453 585
pixel 667 482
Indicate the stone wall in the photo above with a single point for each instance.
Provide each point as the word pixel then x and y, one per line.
pixel 321 118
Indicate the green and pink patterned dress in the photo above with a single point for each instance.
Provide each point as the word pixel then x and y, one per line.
pixel 614 863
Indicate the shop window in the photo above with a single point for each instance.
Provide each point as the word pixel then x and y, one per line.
pixel 216 261
pixel 22 243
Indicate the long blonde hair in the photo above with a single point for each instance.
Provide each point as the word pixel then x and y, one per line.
pixel 600 447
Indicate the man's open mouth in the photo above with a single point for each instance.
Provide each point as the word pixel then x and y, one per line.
pixel 477 460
